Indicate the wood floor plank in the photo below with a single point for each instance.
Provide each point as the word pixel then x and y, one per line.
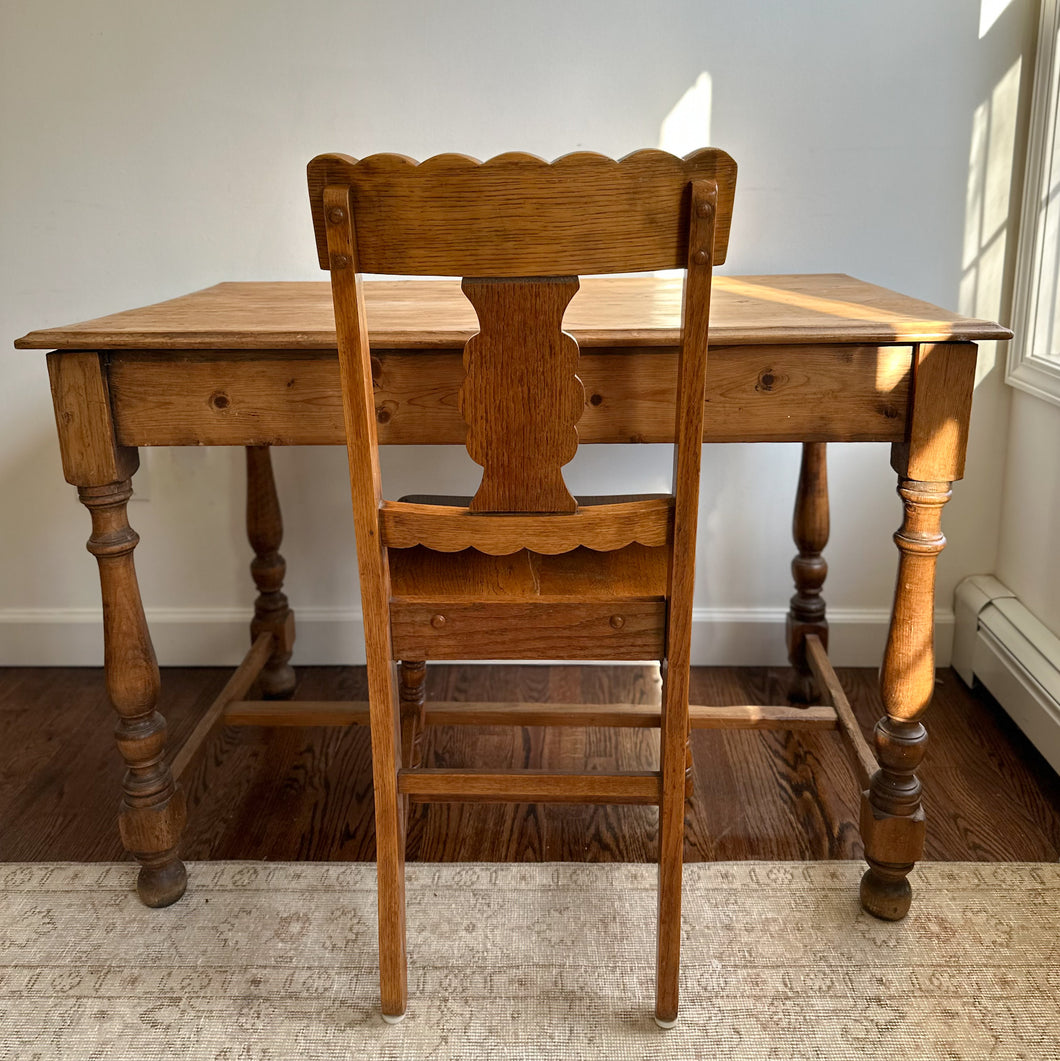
pixel 305 793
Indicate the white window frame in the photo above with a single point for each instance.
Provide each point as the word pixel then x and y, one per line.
pixel 1028 369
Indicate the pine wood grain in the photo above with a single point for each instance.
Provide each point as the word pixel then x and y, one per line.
pixel 943 382
pixel 764 393
pixel 795 309
pixel 85 422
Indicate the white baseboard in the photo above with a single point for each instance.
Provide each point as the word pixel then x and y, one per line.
pixel 189 637
pixel 1014 655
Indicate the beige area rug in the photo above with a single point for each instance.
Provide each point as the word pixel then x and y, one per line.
pixel 278 961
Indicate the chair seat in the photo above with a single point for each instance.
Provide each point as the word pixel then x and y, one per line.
pixel 576 605
pixel 464 500
pixel 447 524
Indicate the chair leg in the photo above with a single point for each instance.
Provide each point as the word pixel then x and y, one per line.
pixel 412 692
pixel 671 847
pixel 389 838
pixel 412 695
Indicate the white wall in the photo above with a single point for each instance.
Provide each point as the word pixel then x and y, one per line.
pixel 150 149
pixel 1029 547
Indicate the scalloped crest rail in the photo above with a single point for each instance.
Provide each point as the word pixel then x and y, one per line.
pixel 517 215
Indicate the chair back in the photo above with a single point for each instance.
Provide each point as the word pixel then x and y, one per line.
pixel 522 570
pixel 519 231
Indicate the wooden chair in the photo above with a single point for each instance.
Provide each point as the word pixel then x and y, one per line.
pixel 522 570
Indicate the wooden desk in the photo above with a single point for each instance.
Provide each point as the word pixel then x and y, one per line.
pixel 810 359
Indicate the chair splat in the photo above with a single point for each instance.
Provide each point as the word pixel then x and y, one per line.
pixel 522 398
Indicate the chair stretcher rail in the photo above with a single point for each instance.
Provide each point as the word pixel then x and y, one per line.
pixel 529 786
pixel 641 716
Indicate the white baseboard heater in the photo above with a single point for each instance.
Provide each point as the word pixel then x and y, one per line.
pixel 1014 655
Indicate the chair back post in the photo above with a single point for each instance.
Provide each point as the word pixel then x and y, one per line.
pixel 689 408
pixel 355 369
pixel 688 447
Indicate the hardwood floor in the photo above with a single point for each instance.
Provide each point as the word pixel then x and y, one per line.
pixel 306 793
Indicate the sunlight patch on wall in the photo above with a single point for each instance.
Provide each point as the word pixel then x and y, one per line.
pixel 687 126
pixel 989 12
pixel 987 204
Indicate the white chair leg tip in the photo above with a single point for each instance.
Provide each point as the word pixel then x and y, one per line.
pixel 392 1018
pixel 666 1024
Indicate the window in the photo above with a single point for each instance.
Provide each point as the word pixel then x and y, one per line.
pixel 1034 359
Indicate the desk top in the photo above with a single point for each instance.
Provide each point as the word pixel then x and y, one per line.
pixel 607 311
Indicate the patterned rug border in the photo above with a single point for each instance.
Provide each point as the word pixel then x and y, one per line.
pixel 529 961
pixel 266 876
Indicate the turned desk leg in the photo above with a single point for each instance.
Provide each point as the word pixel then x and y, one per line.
pixel 927 463
pixel 152 812
pixel 271 612
pixel 892 818
pixel 151 815
pixel 806 614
